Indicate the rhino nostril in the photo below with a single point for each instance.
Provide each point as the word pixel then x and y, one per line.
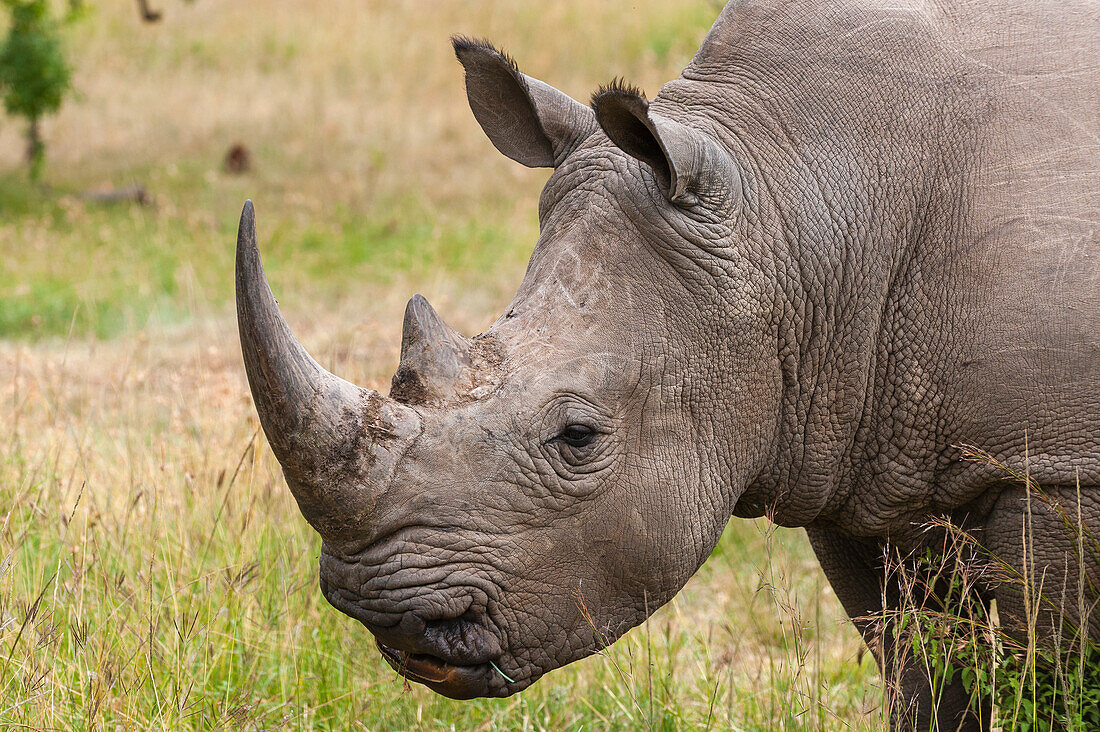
pixel 411 626
pixel 464 637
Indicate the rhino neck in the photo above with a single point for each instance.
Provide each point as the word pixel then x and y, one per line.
pixel 858 198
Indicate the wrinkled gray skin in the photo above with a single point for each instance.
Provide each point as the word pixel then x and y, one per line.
pixel 848 239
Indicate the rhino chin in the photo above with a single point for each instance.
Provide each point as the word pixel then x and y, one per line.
pixel 454 681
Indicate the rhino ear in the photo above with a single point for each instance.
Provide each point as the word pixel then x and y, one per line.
pixel 689 164
pixel 529 121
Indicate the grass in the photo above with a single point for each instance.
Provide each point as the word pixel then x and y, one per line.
pixel 122 268
pixel 154 571
pixel 1029 665
pixel 366 161
pixel 173 606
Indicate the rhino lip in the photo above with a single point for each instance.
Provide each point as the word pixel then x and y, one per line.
pixel 417 666
pixel 454 680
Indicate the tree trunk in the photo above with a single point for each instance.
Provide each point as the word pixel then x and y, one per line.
pixel 35 148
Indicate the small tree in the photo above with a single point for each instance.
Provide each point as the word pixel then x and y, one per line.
pixel 34 76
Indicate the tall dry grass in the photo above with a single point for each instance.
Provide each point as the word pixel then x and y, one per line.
pixel 156 574
pixel 154 571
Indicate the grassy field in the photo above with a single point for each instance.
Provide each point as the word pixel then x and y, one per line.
pixel 154 570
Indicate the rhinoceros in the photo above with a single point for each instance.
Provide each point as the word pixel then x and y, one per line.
pixel 850 238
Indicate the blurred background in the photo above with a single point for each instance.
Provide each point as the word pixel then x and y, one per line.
pixel 154 571
pixel 354 137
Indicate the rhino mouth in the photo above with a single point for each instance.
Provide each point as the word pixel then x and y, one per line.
pixel 449 679
pixel 456 657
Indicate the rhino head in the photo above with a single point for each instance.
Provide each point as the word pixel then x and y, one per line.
pixel 524 497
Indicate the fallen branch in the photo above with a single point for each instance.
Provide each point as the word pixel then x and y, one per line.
pixel 125 194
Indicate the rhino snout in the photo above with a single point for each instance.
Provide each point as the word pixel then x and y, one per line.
pixel 438 635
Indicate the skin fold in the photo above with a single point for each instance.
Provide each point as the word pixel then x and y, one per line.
pixel 850 238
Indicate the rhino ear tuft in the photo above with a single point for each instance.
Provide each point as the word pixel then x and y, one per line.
pixel 689 164
pixel 529 121
pixel 623 113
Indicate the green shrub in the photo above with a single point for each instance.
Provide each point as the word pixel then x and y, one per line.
pixel 1032 684
pixel 34 76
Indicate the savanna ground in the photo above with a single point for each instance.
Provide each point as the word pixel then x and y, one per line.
pixel 154 570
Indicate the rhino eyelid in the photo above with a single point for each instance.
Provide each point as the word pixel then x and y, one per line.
pixel 577 435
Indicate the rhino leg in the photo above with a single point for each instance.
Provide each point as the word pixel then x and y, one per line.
pixel 857 573
pixel 1052 541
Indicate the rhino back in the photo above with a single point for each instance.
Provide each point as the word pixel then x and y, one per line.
pixel 932 175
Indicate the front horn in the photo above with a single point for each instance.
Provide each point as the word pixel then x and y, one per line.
pixel 338 443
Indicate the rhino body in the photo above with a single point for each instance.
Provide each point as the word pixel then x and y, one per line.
pixel 850 238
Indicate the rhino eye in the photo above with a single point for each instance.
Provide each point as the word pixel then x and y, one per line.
pixel 577 435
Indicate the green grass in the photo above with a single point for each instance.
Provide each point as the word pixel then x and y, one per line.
pixel 192 602
pixel 93 269
pixel 154 571
pixel 366 167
